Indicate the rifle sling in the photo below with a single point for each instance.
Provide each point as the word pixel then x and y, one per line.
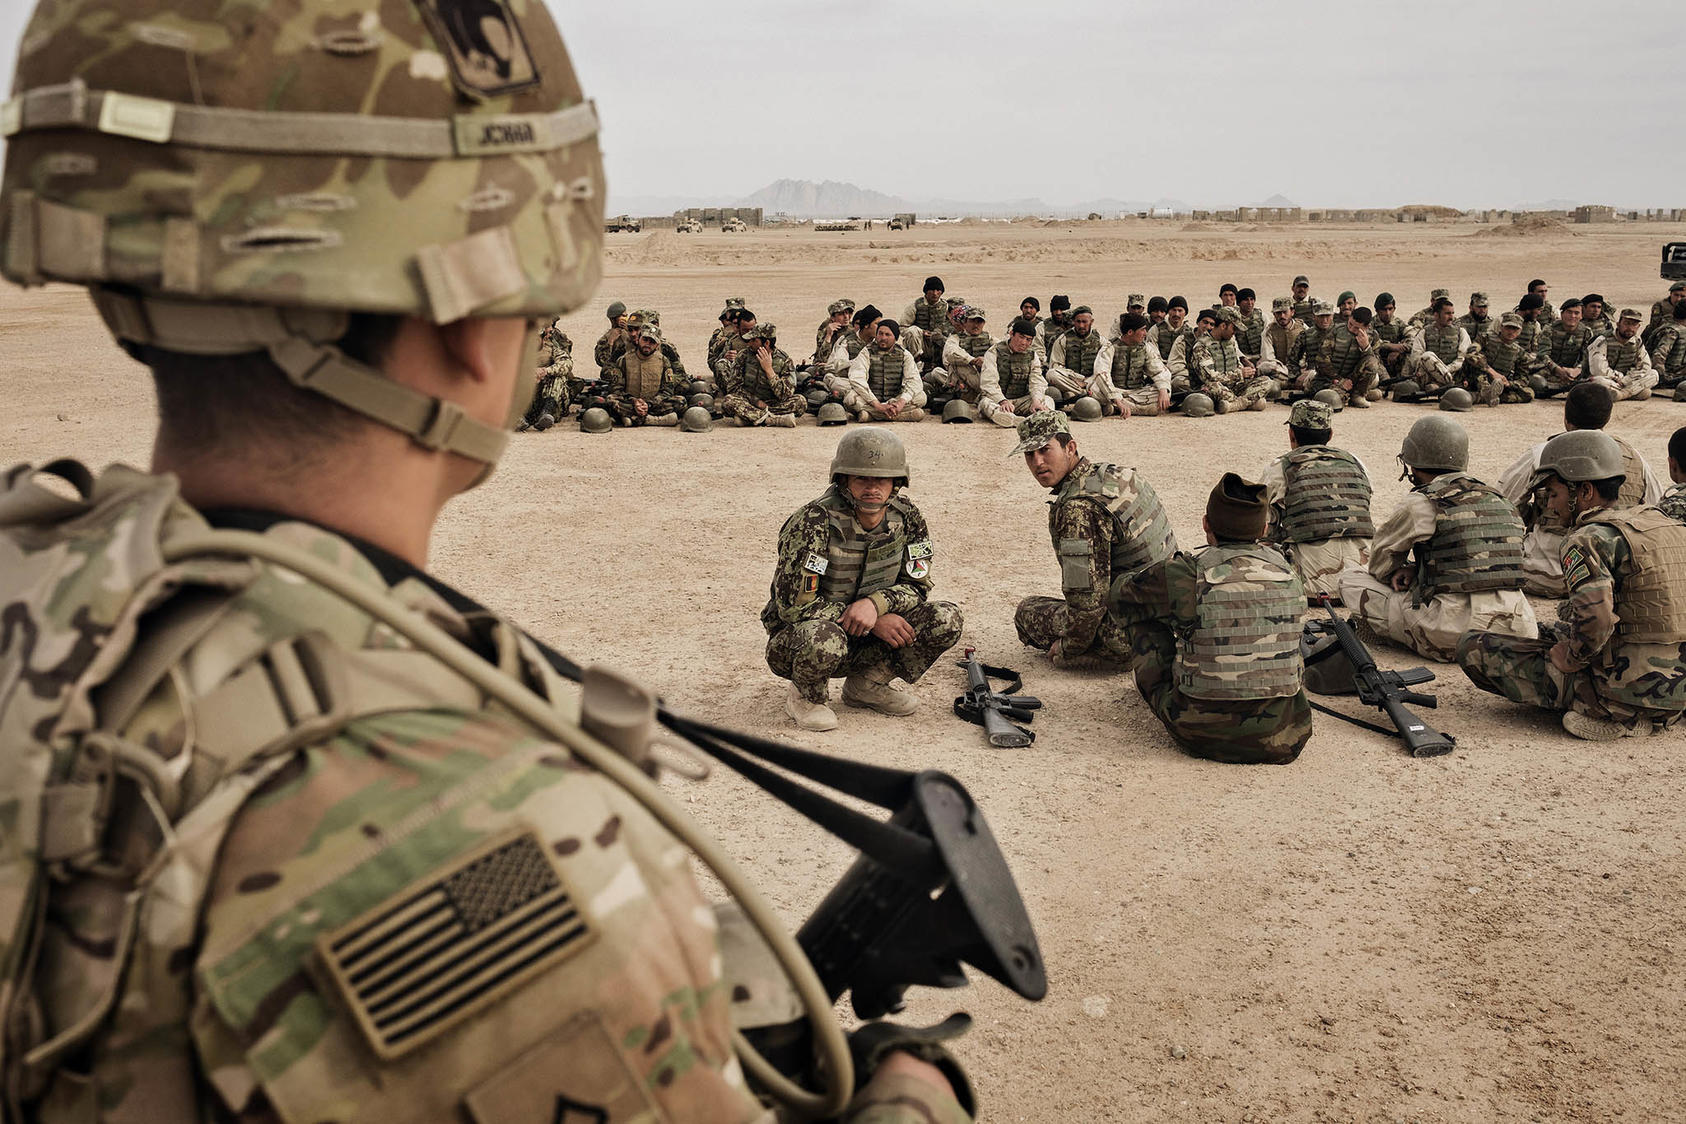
pixel 1389 731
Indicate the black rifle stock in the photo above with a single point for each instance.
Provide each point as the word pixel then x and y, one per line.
pixel 1387 690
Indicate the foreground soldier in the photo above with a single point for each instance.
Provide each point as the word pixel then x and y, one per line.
pixel 1105 521
pixel 1010 385
pixel 641 386
pixel 1673 502
pixel 294 772
pixel 1586 407
pixel 760 388
pixel 1320 501
pixel 850 593
pixel 1449 558
pixel 1217 637
pixel 1129 377
pixel 885 380
pixel 1618 360
pixel 1613 666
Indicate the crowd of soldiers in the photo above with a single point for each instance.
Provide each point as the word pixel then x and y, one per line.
pixel 940 359
pixel 1214 636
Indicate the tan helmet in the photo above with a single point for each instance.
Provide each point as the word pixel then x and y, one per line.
pixel 1437 444
pixel 871 450
pixel 1581 455
pixel 696 420
pixel 831 413
pixel 246 182
pixel 1197 406
pixel 1330 397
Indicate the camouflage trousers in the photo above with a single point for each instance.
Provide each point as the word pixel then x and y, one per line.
pixel 1321 563
pixel 961 382
pixel 621 408
pixel 1368 375
pixel 1433 628
pixel 925 347
pixel 1431 373
pixel 812 653
pixel 1144 400
pixel 1522 671
pixel 550 396
pixel 1245 394
pixel 1634 384
pixel 1239 732
pixel 1550 384
pixel 1042 620
pixel 747 412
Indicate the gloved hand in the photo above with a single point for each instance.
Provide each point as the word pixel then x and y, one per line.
pixel 875 1041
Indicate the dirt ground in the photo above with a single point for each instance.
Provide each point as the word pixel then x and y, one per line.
pixel 1493 935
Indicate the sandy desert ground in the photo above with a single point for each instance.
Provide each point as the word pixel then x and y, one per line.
pixel 1490 936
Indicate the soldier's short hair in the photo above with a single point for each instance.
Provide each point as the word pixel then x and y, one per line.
pixel 1130 322
pixel 1246 295
pixel 1363 315
pixel 743 314
pixel 1588 406
pixel 1023 327
pixel 1535 284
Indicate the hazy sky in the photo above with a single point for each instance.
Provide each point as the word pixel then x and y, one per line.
pixel 1470 103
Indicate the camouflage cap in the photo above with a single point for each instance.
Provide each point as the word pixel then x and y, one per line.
pixel 1478 299
pixel 1510 320
pixel 973 312
pixel 1282 304
pixel 1311 414
pixel 650 332
pixel 636 319
pixel 1081 310
pixel 1322 308
pixel 1678 287
pixel 1630 314
pixel 1229 316
pixel 650 316
pixel 956 302
pixel 1038 429
pixel 1302 279
pixel 763 330
pixel 733 305
pixel 1136 300
pixel 843 304
pixel 1438 294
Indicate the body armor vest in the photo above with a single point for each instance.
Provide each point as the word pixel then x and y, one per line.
pixel 1601 325
pixel 1566 348
pixel 1166 338
pixel 1477 542
pixel 1389 331
pixel 1339 357
pixel 1529 337
pixel 1141 532
pixel 1080 352
pixel 1473 326
pixel 1501 356
pixel 859 563
pixel 1621 356
pixel 1325 495
pixel 1650 592
pixel 931 317
pixel 1130 368
pixel 1225 357
pixel 975 346
pixel 1669 353
pixel 1014 370
pixel 1282 339
pixel 1249 336
pixel 1245 643
pixel 1303 310
pixel 1442 341
pixel 644 376
pixel 1632 492
pixel 753 382
pixel 884 371
pixel 852 344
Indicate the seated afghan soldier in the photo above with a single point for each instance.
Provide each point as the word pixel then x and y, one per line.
pixel 1305 305
pixel 1182 352
pixel 1217 637
pixel 1620 362
pixel 1439 350
pixel 1496 369
pixel 636 321
pixel 1249 334
pixel 1596 316
pixel 1613 666
pixel 1217 370
pixel 1344 304
pixel 1320 501
pixel 1105 521
pixel 1134 302
pixel 835 324
pixel 1308 346
pixel 616 333
pixel 924 324
pixel 1560 361
pixel 1276 345
pixel 1673 503
pixel 1010 383
pixel 1531 308
pixel 1662 312
pixel 726 333
pixel 1476 321
pixel 760 388
pixel 963 358
pixel 1668 352
pixel 551 393
pixel 1129 377
pixel 1163 336
pixel 1346 362
pixel 1448 559
pixel 863 327
pixel 851 591
pixel 1586 407
pixel 1393 336
pixel 1425 315
pixel 1053 327
pixel 1071 360
pixel 641 386
pixel 733 348
pixel 884 380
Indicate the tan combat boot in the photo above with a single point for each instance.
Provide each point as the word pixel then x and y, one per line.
pixel 1011 421
pixel 809 715
pixel 1588 728
pixel 871 689
pixel 663 419
pixel 782 421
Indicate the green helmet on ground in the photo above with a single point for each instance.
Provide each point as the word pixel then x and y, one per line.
pixel 1086 409
pixel 1331 398
pixel 1406 389
pixel 1581 455
pixel 832 413
pixel 816 397
pixel 1457 400
pixel 696 420
pixel 1197 406
pixel 1437 444
pixel 700 386
pixel 960 410
pixel 235 179
pixel 703 400
pixel 596 420
pixel 871 450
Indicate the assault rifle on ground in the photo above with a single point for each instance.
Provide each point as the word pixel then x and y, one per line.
pixel 1387 690
pixel 998 712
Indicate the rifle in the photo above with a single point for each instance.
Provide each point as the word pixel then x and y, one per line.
pixel 1386 690
pixel 992 709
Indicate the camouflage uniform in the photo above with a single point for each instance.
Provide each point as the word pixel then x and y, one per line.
pixel 1673 503
pixel 1341 365
pixel 1424 315
pixel 1437 356
pixel 554 389
pixel 1071 361
pixel 1215 369
pixel 1601 325
pixel 1668 353
pixel 751 396
pixel 633 377
pixel 729 354
pixel 1621 366
pixel 924 327
pixel 1494 355
pixel 1182 351
pixel 1305 308
pixel 1320 506
pixel 1163 604
pixel 805 643
pixel 722 336
pixel 1389 335
pixel 1048 331
pixel 1662 312
pixel 963 360
pixel 1626 648
pixel 1277 346
pixel 1560 351
pixel 1009 377
pixel 604 352
pixel 636 321
pixel 1164 337
pixel 1104 520
pixel 1249 334
pixel 1429 617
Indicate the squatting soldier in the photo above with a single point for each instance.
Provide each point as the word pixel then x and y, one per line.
pixel 1595 316
pixel 1613 665
pixel 885 379
pixel 1071 361
pixel 1129 377
pixel 1561 360
pixel 1448 559
pixel 836 323
pixel 1673 502
pixel 1182 352
pixel 727 331
pixel 552 394
pixel 734 347
pixel 1010 384
pixel 1438 353
pixel 850 595
pixel 1249 333
pixel 760 388
pixel 925 323
pixel 1217 637
pixel 1668 350
pixel 616 312
pixel 1105 521
pixel 1586 407
pixel 1218 371
pixel 1305 306
pixel 963 355
pixel 1662 311
pixel 1320 501
pixel 641 386
pixel 1393 336
pixel 294 775
pixel 863 329
pixel 1424 315
pixel 1476 321
pixel 1164 335
pixel 1496 369
pixel 1620 362
pixel 1345 361
pixel 1277 345
pixel 1052 328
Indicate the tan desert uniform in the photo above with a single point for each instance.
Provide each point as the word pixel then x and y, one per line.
pixel 1429 617
pixel 1011 377
pixel 1322 523
pixel 1276 345
pixel 877 375
pixel 1623 366
pixel 1437 355
pixel 1133 372
pixel 963 358
pixel 1071 363
pixel 849 345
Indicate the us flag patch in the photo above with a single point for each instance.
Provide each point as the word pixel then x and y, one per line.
pixel 438 952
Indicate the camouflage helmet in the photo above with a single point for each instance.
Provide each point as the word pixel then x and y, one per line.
pixel 696 420
pixel 1331 398
pixel 1580 455
pixel 960 410
pixel 228 180
pixel 1457 400
pixel 1435 443
pixel 1087 409
pixel 597 420
pixel 832 413
pixel 1197 406
pixel 871 450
